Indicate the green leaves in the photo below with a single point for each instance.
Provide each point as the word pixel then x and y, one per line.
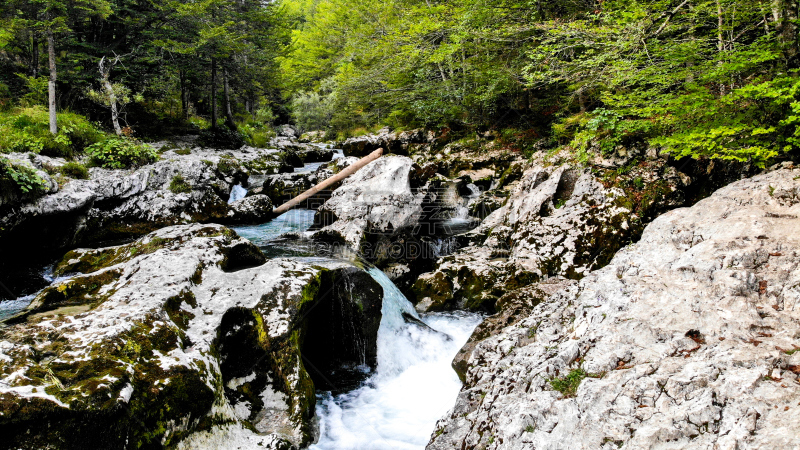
pixel 121 153
pixel 22 178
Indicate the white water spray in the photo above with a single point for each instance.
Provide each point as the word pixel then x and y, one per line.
pixel 413 386
pixel 238 192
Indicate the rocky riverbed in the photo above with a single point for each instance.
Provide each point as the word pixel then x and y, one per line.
pixel 631 301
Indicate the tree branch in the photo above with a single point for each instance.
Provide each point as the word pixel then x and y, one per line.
pixel 669 17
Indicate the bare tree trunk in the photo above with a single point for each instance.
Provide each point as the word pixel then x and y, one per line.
pixel 51 84
pixel 582 100
pixel 213 93
pixel 227 93
pixel 720 41
pixel 184 100
pixel 784 13
pixel 720 24
pixel 34 55
pixel 789 34
pixel 112 97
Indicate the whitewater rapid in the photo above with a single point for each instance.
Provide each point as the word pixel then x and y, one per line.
pixel 413 386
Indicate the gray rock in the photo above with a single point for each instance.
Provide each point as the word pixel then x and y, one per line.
pixel 115 204
pixel 558 221
pixel 398 143
pixel 189 326
pixel 287 131
pixel 378 198
pixel 252 210
pixel 686 337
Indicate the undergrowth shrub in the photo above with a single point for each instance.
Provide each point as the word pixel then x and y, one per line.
pixel 28 130
pixel 121 153
pixel 75 170
pixel 20 179
pixel 257 134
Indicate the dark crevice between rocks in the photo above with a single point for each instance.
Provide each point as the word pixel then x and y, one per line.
pixel 340 344
pixel 243 255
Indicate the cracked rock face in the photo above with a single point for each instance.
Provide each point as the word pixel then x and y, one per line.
pixel 686 339
pixel 558 221
pixel 115 204
pixel 182 331
pixel 378 198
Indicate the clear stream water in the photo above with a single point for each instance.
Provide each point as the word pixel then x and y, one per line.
pixel 397 406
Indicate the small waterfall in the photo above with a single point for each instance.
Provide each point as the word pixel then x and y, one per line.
pixel 238 192
pixel 444 246
pixel 337 153
pixel 413 386
pixel 474 191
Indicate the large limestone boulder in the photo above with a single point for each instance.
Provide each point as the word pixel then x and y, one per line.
pixel 398 143
pixel 186 187
pixel 559 221
pixel 188 330
pixel 381 197
pixel 686 339
pixel 284 187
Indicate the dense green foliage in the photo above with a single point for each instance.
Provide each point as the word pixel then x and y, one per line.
pixel 120 153
pixel 26 130
pixel 139 67
pixel 22 179
pixel 697 78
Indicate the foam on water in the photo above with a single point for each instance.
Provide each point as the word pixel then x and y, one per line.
pixel 238 192
pixel 413 386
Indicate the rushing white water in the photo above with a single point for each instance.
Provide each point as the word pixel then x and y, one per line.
pixel 474 190
pixel 237 193
pixel 413 386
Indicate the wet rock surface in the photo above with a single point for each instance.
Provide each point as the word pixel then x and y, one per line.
pixel 186 187
pixel 558 221
pixel 686 339
pixel 185 330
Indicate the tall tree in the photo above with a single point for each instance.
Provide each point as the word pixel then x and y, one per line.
pixel 54 18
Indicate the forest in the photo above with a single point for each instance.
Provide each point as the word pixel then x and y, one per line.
pixel 399 224
pixel 699 78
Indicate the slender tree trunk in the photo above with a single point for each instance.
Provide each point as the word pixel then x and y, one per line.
pixel 720 24
pixel 720 41
pixel 213 93
pixel 51 85
pixel 184 100
pixel 227 93
pixel 112 97
pixel 789 32
pixel 34 55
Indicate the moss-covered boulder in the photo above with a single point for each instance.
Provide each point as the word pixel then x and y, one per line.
pixel 185 186
pixel 188 330
pixel 559 221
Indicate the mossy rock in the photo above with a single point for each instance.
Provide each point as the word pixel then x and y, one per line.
pixel 175 335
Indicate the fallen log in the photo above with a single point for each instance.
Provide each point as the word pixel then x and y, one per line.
pixel 329 182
